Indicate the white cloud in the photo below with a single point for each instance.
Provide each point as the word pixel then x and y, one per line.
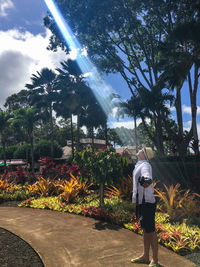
pixel 126 124
pixel 21 55
pixel 4 5
pixel 187 109
pixel 187 125
pixel 171 108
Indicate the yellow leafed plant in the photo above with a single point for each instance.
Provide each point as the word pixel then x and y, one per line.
pixel 5 185
pixel 44 187
pixel 70 189
pixel 177 203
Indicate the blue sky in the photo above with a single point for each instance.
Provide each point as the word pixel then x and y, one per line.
pixel 23 42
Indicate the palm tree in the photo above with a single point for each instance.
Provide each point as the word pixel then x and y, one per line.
pixel 44 94
pixel 27 119
pixel 74 92
pixel 154 102
pixel 65 108
pixel 133 108
pixel 92 116
pixel 4 128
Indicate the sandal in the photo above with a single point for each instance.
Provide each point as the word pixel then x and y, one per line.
pixel 155 265
pixel 139 260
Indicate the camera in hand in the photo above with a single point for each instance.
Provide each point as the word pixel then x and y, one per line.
pixel 143 180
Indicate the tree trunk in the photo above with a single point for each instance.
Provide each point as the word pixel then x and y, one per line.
pixel 78 132
pixel 72 137
pixel 4 153
pixel 178 107
pixel 136 140
pixel 159 135
pixel 32 154
pixel 92 132
pixel 106 134
pixel 51 129
pixel 101 192
pixel 194 107
pixel 180 140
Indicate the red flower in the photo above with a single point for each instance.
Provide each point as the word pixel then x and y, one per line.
pixel 165 235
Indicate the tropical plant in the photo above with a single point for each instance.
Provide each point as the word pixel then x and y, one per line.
pixel 133 108
pixel 73 94
pixel 44 187
pixel 5 117
pixel 177 203
pixel 44 93
pixel 6 185
pixel 72 188
pixel 26 119
pixel 101 167
pixel 124 190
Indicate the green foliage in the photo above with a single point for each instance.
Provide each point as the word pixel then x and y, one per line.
pixel 101 166
pixel 43 149
pixel 9 151
pixel 178 204
pixel 123 191
pixel 15 196
pixel 22 152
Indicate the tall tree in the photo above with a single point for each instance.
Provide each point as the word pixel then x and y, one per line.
pixel 133 108
pixel 5 117
pixel 74 93
pixel 106 29
pixel 19 100
pixel 92 116
pixel 45 93
pixel 180 62
pixel 26 119
pixel 114 44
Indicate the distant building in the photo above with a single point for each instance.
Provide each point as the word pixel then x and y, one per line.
pixel 127 151
pixel 99 145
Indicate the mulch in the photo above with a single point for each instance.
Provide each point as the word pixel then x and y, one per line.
pixel 14 251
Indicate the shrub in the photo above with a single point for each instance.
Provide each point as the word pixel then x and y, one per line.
pixel 60 171
pixel 6 185
pixel 123 191
pixel 101 167
pixel 178 204
pixel 43 149
pixel 23 152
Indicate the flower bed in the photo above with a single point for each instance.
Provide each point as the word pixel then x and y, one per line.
pixel 179 237
pixel 177 219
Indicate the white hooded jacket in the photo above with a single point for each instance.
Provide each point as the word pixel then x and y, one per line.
pixel 142 168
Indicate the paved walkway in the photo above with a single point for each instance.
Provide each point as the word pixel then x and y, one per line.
pixel 63 239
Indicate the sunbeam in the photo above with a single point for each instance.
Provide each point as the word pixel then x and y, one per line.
pixel 100 89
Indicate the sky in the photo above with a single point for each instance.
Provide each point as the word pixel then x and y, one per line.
pixel 23 52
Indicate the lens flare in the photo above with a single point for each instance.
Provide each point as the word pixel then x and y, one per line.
pixel 100 89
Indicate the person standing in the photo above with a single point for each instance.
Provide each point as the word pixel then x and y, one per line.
pixel 143 196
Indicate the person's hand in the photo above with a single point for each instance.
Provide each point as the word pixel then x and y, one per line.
pixel 145 185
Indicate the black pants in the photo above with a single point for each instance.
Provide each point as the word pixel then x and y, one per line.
pixel 146 214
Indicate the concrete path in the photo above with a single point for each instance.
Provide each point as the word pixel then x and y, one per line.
pixel 63 239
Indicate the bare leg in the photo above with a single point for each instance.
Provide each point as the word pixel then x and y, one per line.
pixel 147 243
pixel 150 239
pixel 154 246
pixel 146 240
